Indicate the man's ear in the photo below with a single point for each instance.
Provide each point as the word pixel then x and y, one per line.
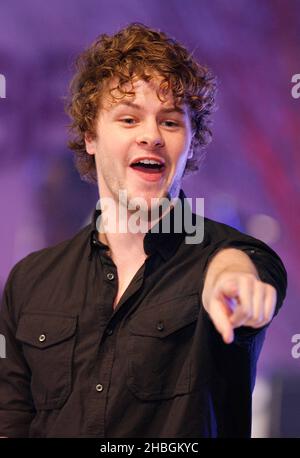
pixel 89 144
pixel 191 150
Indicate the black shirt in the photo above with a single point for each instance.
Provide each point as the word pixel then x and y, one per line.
pixel 153 367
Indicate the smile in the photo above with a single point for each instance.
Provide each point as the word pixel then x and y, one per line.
pixel 148 171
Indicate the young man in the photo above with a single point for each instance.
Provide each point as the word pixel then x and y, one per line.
pixel 126 333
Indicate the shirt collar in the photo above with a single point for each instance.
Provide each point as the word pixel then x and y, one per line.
pixel 166 243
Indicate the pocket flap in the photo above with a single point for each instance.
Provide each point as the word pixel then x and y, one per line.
pixel 165 318
pixel 42 330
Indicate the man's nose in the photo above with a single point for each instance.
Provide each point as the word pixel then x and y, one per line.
pixel 150 137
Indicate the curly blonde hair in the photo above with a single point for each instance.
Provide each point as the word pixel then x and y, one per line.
pixel 138 51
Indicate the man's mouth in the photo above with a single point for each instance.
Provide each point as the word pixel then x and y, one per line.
pixel 150 170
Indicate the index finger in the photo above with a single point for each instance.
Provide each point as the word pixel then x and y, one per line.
pixel 219 315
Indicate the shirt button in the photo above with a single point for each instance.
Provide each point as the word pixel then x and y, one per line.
pixel 160 326
pixel 99 387
pixel 42 338
pixel 110 276
pixel 109 332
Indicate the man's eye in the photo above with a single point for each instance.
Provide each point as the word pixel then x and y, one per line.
pixel 128 120
pixel 170 123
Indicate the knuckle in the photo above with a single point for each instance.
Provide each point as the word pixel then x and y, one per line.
pixel 246 314
pixel 270 289
pixel 260 285
pixel 268 317
pixel 264 322
pixel 257 317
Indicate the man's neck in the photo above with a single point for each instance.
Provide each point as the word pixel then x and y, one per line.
pixel 116 232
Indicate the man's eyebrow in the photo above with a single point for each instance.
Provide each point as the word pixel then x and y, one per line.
pixel 127 103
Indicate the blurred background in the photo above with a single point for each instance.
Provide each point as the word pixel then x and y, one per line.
pixel 250 178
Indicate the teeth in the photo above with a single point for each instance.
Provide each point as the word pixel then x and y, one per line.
pixel 149 161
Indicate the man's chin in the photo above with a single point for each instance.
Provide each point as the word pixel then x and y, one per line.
pixel 151 201
pixel 151 208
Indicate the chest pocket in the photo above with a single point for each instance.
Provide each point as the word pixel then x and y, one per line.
pixel 48 342
pixel 159 356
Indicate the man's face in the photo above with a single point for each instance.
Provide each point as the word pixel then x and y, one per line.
pixel 136 128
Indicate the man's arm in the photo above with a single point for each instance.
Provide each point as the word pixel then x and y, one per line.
pixel 234 295
pixel 16 407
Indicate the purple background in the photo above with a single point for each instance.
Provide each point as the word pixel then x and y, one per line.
pixel 252 166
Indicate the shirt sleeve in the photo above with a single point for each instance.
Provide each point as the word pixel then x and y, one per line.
pixel 16 405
